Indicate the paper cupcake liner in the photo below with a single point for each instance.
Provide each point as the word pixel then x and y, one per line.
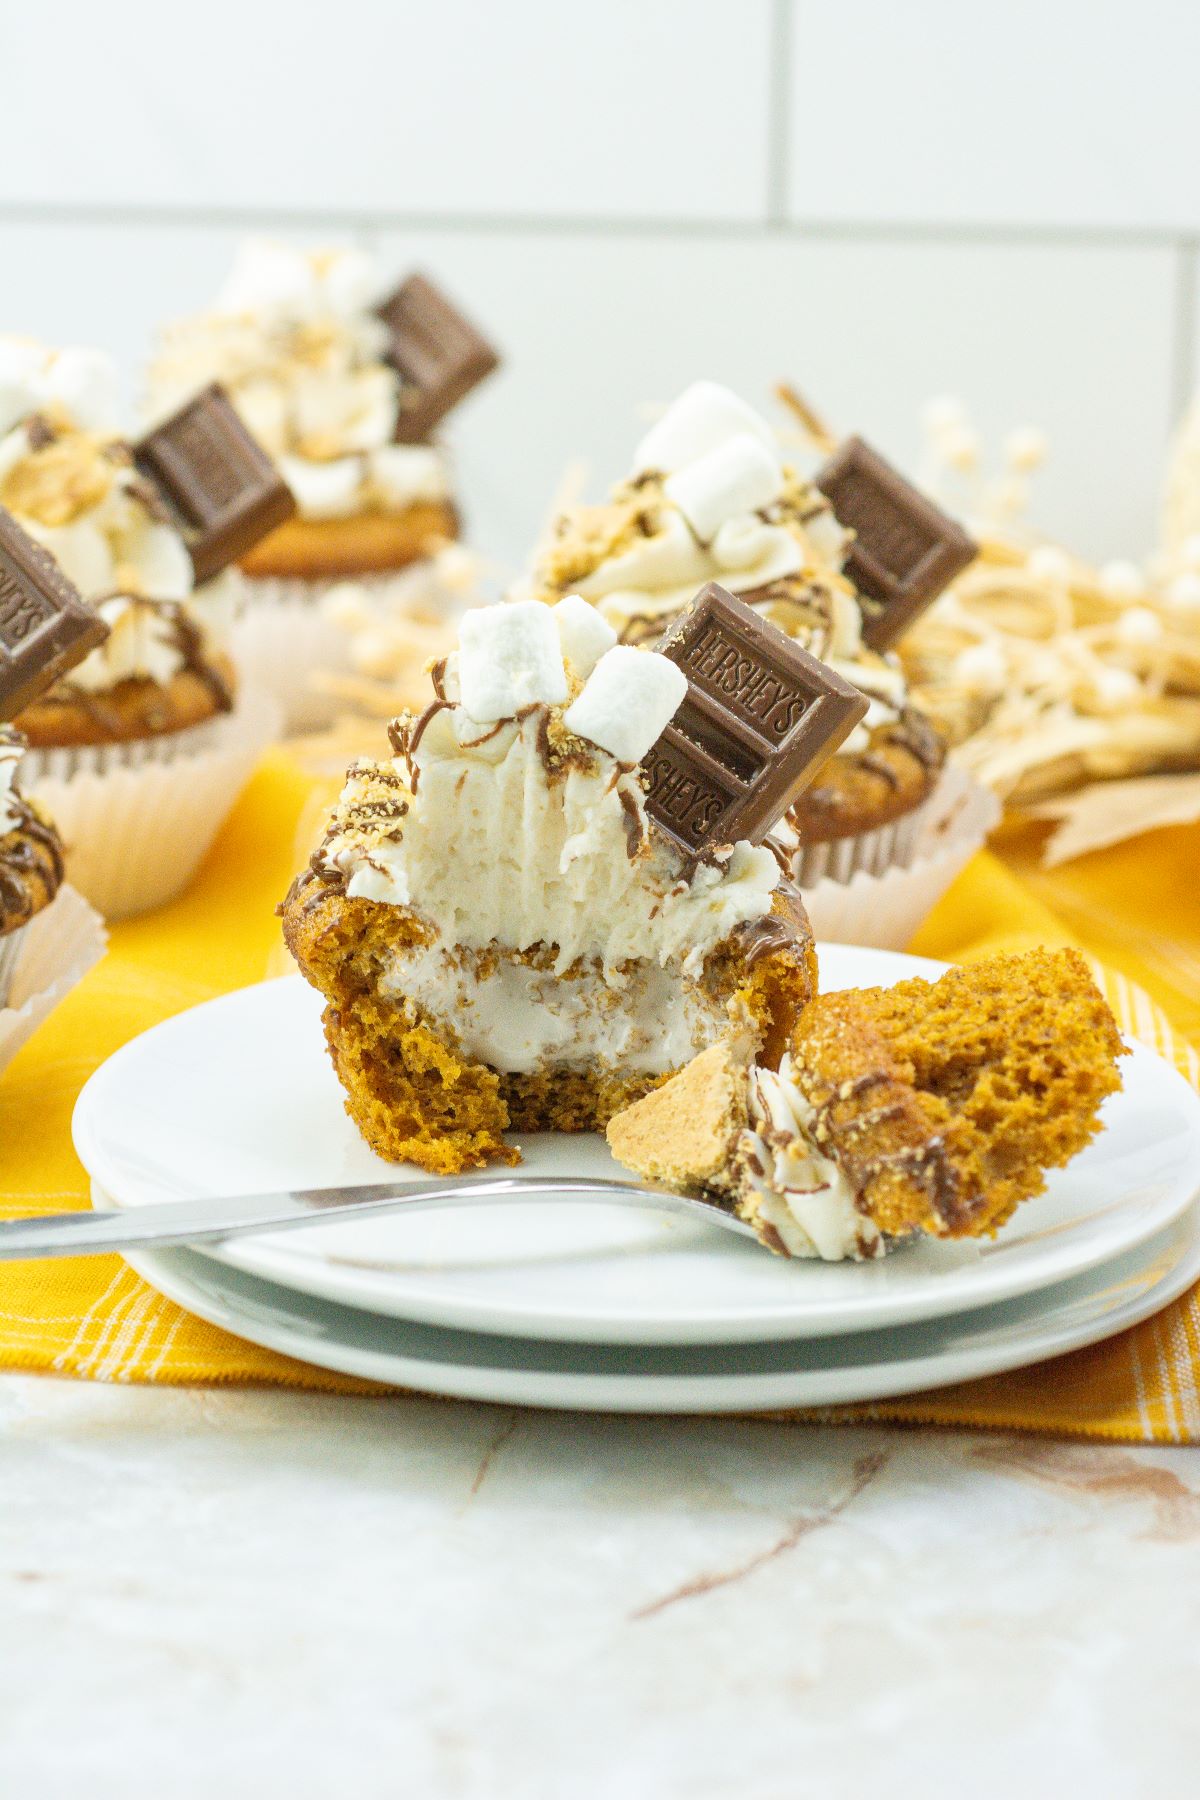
pixel 138 819
pixel 11 946
pixel 895 876
pixel 54 951
pixel 284 638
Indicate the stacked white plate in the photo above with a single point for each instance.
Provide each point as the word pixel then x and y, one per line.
pixel 588 1306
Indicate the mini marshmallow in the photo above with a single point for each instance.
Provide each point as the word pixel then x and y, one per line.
pixel 1184 593
pixel 1115 688
pixel 629 697
pixel 1139 625
pixel 323 490
pixel 585 635
pixel 1122 580
pixel 704 417
pixel 262 406
pixel 350 283
pixel 21 366
pixel 1025 448
pixel 267 275
pixel 982 667
pixel 1049 563
pixel 736 478
pixel 509 657
pixel 405 473
pixel 84 383
pixel 945 412
pixel 158 559
pixel 81 551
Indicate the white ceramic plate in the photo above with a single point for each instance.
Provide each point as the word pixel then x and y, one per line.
pixel 238 1096
pixel 686 1378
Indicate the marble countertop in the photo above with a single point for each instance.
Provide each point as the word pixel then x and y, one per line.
pixel 251 1593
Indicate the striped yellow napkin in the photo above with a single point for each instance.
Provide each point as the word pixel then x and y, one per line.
pixel 1133 907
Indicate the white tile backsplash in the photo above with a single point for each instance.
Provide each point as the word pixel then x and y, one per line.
pixel 1056 113
pixel 595 329
pixel 600 186
pixel 638 108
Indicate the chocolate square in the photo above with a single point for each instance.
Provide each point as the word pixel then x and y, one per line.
pixel 438 354
pixel 906 549
pixel 760 718
pixel 45 627
pixel 220 486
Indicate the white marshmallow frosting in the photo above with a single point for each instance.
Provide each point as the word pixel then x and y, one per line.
pixel 112 548
pixel 496 849
pixel 797 1189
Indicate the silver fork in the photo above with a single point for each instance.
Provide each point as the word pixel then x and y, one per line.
pixel 238 1215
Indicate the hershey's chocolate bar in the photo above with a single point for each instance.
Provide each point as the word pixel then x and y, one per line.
pixel 45 627
pixel 221 487
pixel 760 717
pixel 437 353
pixel 906 549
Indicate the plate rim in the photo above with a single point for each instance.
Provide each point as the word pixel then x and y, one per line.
pixel 373 1288
pixel 660 1394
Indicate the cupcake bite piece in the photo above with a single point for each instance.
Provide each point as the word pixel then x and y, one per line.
pixel 541 905
pixel 710 496
pixel 926 1109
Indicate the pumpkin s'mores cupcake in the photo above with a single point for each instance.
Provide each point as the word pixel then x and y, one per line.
pixel 555 892
pixel 710 497
pixel 344 385
pixel 927 1109
pixel 145 532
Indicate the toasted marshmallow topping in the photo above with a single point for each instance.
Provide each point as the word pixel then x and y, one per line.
pixel 295 339
pixel 518 831
pixel 72 485
pixel 711 499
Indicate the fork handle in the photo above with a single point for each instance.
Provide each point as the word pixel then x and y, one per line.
pixel 238 1215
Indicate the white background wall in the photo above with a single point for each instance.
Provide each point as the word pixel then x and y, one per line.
pixel 883 200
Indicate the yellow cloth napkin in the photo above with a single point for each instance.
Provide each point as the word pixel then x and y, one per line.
pixel 1135 906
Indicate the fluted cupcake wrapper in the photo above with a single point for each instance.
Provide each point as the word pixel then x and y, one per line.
pixel 42 962
pixel 11 946
pixel 878 887
pixel 137 819
pixel 284 638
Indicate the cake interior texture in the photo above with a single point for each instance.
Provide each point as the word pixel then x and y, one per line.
pixel 925 1108
pixel 504 941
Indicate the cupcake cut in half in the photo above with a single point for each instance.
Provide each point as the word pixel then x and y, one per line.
pixel 504 937
pixel 926 1109
pixel 710 497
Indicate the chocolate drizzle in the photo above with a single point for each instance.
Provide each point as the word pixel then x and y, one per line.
pixel 634 821
pixel 30 854
pixel 101 709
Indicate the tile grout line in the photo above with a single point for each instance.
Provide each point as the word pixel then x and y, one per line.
pixel 1186 323
pixel 963 233
pixel 779 89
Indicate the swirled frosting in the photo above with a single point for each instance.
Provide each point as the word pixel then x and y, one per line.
pixel 294 338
